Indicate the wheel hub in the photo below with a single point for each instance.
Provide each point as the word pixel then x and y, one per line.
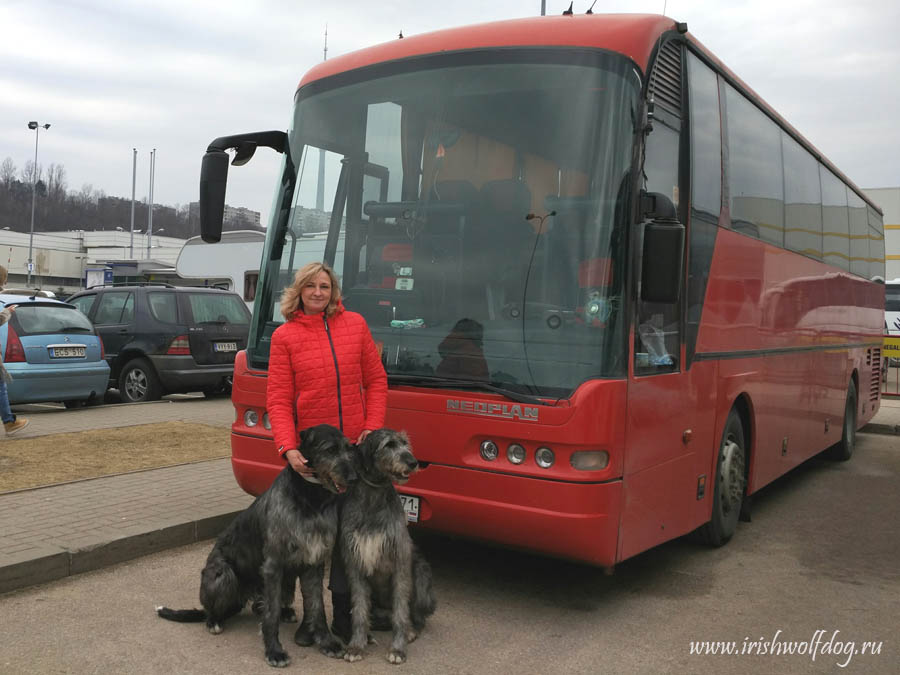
pixel 731 478
pixel 136 384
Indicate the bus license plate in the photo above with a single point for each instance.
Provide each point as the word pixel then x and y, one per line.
pixel 225 346
pixel 66 352
pixel 411 506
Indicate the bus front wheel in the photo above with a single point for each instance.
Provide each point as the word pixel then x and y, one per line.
pixel 730 484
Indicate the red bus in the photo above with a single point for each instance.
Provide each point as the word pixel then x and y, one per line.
pixel 615 292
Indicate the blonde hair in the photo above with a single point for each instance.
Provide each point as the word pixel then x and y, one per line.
pixel 4 275
pixel 290 297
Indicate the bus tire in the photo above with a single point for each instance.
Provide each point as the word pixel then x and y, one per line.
pixel 843 450
pixel 730 485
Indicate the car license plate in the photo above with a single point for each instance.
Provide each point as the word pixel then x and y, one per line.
pixel 225 346
pixel 411 506
pixel 66 352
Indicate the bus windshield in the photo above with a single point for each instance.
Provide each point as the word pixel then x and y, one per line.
pixel 474 207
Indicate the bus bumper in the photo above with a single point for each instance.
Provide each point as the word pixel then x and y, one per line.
pixel 576 521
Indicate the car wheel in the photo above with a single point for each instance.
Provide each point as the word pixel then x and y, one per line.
pixel 843 450
pixel 138 382
pixel 730 484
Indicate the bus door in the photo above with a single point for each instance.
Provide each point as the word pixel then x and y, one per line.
pixel 667 410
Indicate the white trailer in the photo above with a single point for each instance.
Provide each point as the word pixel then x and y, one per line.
pixel 232 263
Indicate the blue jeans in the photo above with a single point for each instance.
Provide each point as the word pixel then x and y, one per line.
pixel 5 413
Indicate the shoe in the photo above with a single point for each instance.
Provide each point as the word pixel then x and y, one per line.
pixel 16 425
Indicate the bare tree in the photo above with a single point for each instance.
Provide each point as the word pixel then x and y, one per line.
pixel 31 173
pixel 56 182
pixel 7 172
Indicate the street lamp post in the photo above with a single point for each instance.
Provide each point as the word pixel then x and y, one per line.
pixel 37 132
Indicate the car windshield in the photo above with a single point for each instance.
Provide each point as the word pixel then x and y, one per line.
pixel 224 308
pixel 36 319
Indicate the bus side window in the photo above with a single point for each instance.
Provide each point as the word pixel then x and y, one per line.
pixel 658 328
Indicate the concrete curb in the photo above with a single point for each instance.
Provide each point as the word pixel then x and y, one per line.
pixel 55 563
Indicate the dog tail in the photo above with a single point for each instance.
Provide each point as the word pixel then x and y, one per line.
pixel 424 602
pixel 182 615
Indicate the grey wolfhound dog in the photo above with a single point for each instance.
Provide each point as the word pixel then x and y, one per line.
pixel 381 562
pixel 287 532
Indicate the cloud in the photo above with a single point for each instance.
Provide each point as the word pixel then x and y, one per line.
pixel 174 74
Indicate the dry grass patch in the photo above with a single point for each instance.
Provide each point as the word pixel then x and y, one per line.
pixel 57 458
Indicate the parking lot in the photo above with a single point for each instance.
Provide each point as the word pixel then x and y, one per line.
pixel 817 563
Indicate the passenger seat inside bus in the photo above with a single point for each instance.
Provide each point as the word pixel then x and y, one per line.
pixel 437 248
pixel 498 247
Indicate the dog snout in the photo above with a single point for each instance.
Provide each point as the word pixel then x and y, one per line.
pixel 412 464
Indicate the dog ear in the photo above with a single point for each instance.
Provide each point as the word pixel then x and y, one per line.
pixel 304 435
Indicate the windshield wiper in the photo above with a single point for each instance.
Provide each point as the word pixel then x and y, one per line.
pixel 427 381
pixel 75 329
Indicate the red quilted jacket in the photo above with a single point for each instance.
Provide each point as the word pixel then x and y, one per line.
pixel 324 373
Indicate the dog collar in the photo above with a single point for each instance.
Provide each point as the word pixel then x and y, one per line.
pixel 374 485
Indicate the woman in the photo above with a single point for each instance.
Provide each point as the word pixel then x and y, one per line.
pixel 11 424
pixel 324 368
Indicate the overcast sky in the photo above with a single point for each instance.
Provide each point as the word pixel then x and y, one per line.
pixel 112 75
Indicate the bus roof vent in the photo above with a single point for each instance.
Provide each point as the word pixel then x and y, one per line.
pixel 665 82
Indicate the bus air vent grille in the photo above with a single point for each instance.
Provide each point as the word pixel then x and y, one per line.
pixel 665 83
pixel 875 386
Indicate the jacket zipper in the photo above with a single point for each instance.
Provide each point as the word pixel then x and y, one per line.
pixel 337 372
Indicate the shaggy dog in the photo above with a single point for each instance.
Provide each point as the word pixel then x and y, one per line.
pixel 287 532
pixel 379 556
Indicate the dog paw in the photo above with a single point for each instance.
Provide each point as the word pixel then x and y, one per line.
pixel 333 649
pixel 288 615
pixel 304 636
pixel 277 658
pixel 353 654
pixel 396 656
pixel 411 635
pixel 214 628
pixel 330 645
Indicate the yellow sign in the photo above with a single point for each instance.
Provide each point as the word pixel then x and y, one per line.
pixel 891 347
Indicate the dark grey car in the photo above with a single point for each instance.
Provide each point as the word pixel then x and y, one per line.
pixel 161 339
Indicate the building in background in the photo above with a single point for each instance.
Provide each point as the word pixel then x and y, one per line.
pixel 889 201
pixel 63 261
pixel 234 218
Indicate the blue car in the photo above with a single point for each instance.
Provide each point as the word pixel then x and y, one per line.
pixel 52 352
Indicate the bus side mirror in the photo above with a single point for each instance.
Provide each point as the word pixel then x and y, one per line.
pixel 213 179
pixel 214 174
pixel 663 250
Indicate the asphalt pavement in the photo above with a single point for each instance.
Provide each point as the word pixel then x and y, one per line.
pixel 51 532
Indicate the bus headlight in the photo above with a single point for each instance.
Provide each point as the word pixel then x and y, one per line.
pixel 489 450
pixel 266 423
pixel 251 418
pixel 544 458
pixel 590 460
pixel 515 453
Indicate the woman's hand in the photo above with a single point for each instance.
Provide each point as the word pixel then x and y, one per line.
pixel 298 463
pixel 362 435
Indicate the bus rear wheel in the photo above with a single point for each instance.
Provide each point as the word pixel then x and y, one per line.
pixel 730 484
pixel 843 450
